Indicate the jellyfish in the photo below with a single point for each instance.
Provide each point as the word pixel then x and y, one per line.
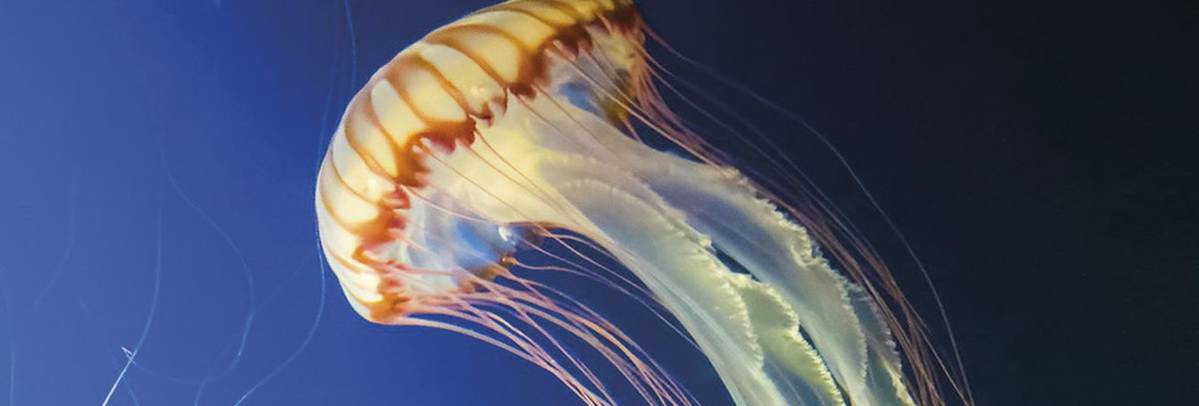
pixel 526 122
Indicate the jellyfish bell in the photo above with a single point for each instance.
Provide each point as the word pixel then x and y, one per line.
pixel 494 132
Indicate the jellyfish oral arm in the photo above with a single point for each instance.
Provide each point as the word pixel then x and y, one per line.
pixel 516 120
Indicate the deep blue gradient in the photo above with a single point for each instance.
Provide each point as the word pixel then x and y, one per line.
pixel 162 155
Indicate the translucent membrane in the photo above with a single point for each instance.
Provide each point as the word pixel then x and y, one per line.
pixel 512 123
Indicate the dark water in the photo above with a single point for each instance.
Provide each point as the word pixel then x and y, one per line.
pixel 1037 157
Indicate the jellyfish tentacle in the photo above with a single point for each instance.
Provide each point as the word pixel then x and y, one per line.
pixel 416 219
